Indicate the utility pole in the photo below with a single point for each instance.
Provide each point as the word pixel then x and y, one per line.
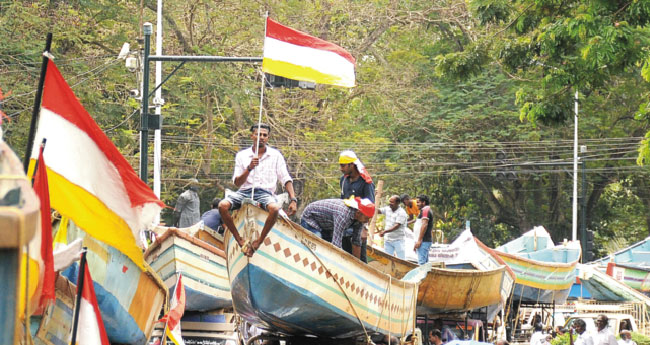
pixel 574 232
pixel 158 102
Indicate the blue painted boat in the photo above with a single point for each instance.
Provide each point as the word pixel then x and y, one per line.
pixel 298 284
pixel 544 272
pixel 130 299
pixel 19 221
pixel 203 267
pixel 630 265
pixel 595 284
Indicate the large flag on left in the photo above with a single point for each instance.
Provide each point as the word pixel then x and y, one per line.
pixel 90 330
pixel 296 55
pixel 90 181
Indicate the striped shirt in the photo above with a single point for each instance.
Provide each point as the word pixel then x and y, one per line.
pixel 329 215
pixel 272 168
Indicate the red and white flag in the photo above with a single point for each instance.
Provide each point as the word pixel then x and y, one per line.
pixel 42 191
pixel 296 55
pixel 173 318
pixel 90 330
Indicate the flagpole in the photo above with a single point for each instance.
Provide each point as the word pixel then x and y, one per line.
pixel 164 341
pixel 37 102
pixel 259 119
pixel 80 285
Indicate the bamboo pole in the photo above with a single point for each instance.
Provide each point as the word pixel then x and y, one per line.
pixel 373 221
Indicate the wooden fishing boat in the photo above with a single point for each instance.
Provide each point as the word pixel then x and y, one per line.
pixel 203 267
pixel 130 299
pixel 298 284
pixel 597 285
pixel 54 327
pixel 445 290
pixel 544 272
pixel 630 265
pixel 19 221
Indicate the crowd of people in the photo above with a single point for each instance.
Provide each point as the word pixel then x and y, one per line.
pixel 341 221
pixel 579 335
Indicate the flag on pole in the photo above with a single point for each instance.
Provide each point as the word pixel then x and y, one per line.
pixel 90 329
pixel 90 181
pixel 42 191
pixel 296 55
pixel 172 319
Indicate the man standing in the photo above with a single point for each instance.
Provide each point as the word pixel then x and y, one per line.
pixel 336 215
pixel 356 181
pixel 212 218
pixel 580 327
pixel 626 338
pixel 186 212
pixel 423 243
pixel 260 168
pixel 604 336
pixel 394 228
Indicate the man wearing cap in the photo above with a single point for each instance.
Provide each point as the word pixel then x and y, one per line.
pixel 187 210
pixel 356 181
pixel 260 168
pixel 336 215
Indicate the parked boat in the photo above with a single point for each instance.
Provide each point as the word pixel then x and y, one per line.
pixel 130 299
pixel 597 285
pixel 54 327
pixel 448 289
pixel 544 272
pixel 19 221
pixel 203 267
pixel 299 284
pixel 630 266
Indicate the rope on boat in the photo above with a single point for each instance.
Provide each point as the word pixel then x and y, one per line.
pixel 356 314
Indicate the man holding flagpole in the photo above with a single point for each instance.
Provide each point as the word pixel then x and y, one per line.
pixel 257 171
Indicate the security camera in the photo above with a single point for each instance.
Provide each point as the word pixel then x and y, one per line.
pixel 131 63
pixel 135 93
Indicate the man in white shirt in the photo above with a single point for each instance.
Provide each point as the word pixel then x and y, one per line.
pixel 584 338
pixel 538 337
pixel 604 336
pixel 626 338
pixel 259 168
pixel 394 227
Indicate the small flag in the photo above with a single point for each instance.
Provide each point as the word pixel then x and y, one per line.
pixel 173 318
pixel 90 181
pixel 42 191
pixel 296 55
pixel 90 329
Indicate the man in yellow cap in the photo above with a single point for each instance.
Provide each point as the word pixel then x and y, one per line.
pixel 356 181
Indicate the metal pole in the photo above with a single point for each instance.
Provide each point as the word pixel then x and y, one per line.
pixel 144 119
pixel 80 284
pixel 157 141
pixel 574 231
pixel 259 120
pixel 583 208
pixel 37 103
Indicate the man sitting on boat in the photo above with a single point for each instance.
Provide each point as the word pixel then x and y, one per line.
pixel 336 215
pixel 212 218
pixel 257 171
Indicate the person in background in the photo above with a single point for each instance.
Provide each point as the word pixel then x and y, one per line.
pixel 435 337
pixel 538 337
pixel 625 325
pixel 212 218
pixel 395 227
pixel 411 206
pixel 547 339
pixel 423 243
pixel 579 328
pixel 261 167
pixel 626 338
pixel 604 336
pixel 355 181
pixel 336 215
pixel 186 212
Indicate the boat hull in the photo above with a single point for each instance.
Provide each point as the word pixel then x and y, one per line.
pixel 203 267
pixel 130 299
pixel 55 325
pixel 298 284
pixel 446 290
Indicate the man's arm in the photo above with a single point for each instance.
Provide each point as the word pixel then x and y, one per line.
pixel 293 204
pixel 245 171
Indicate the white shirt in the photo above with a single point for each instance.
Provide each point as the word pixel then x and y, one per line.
pixel 584 339
pixel 604 337
pixel 392 218
pixel 626 342
pixel 537 338
pixel 272 168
